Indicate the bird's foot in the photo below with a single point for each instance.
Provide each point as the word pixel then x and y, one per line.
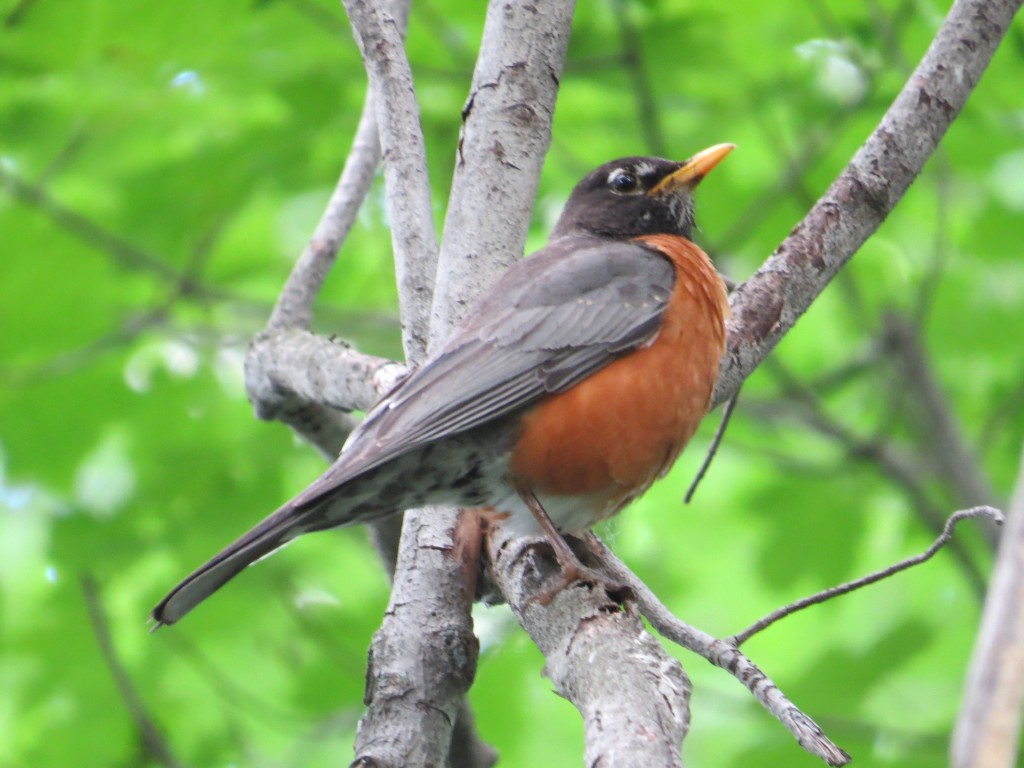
pixel 574 571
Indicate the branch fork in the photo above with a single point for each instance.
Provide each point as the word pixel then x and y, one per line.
pixel 520 64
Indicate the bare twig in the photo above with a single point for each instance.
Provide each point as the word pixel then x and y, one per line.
pixel 149 734
pixel 725 652
pixel 987 733
pixel 730 404
pixel 841 589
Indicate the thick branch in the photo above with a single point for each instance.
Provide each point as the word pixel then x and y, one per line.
pixel 987 733
pixel 506 139
pixel 423 658
pixel 291 368
pixel 769 303
pixel 633 696
pixel 505 135
pixel 153 744
pixel 405 166
pixel 311 383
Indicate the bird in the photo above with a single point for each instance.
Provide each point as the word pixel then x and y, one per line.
pixel 572 384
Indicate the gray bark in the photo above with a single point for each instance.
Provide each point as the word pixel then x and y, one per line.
pixel 987 733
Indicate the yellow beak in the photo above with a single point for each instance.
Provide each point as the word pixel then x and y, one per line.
pixel 693 170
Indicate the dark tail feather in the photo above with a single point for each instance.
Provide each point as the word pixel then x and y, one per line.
pixel 275 531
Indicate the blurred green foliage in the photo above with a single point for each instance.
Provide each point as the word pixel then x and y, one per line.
pixel 160 168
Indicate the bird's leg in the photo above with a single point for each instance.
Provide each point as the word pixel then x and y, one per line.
pixel 572 569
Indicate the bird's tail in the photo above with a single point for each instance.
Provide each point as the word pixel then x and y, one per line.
pixel 275 531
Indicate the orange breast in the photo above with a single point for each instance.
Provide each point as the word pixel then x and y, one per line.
pixel 614 433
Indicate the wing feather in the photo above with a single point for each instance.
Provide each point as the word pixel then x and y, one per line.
pixel 551 320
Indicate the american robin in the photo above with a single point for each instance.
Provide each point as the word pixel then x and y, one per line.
pixel 572 385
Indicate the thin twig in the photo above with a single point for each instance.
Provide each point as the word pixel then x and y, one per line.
pixel 152 740
pixel 841 589
pixel 633 60
pixel 725 652
pixel 730 404
pixel 294 308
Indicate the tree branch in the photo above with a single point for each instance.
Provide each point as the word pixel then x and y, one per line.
pixel 506 132
pixel 294 308
pixel 987 732
pixel 423 658
pixel 633 696
pixel 767 305
pixel 413 238
pixel 828 594
pixel 727 656
pixel 291 368
pixel 153 743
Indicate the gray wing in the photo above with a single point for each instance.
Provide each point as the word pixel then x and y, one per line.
pixel 549 322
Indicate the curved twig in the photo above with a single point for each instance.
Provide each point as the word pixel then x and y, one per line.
pixel 294 307
pixel 841 589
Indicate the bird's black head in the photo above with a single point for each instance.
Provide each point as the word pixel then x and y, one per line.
pixel 638 196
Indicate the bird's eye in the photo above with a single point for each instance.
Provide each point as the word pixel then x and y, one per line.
pixel 622 181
